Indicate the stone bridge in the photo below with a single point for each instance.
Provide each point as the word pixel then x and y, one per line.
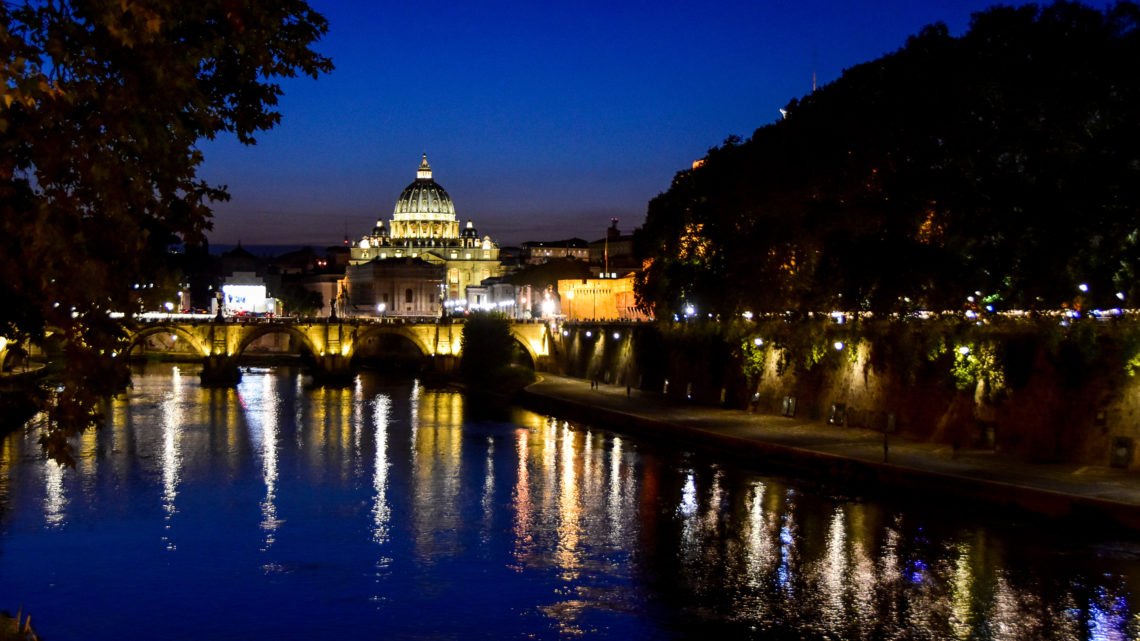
pixel 331 344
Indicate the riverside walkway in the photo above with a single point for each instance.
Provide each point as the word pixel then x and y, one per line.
pixel 855 455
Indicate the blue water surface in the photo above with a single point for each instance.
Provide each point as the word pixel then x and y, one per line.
pixel 390 511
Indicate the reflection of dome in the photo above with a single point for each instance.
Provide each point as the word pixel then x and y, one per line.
pixel 424 196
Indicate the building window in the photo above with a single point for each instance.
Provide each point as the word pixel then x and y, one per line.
pixel 407 295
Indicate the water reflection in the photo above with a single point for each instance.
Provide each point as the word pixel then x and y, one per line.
pixel 55 501
pixel 395 494
pixel 381 512
pixel 259 402
pixel 171 456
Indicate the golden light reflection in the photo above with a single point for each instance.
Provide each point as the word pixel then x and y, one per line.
pixel 862 576
pixel 436 464
pixel 834 570
pixel 118 433
pixel 760 551
pixel 687 510
pixel 962 594
pixel 710 523
pixel 55 501
pixel 414 400
pixel 523 541
pixel 548 437
pixel 617 516
pixel 381 512
pixel 171 454
pixel 86 463
pixel 568 553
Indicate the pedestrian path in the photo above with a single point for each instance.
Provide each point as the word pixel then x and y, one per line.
pixel 1051 488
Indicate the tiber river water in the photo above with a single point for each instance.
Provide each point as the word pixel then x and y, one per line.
pixel 390 511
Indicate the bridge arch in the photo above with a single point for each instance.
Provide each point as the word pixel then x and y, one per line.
pixel 535 346
pixel 251 335
pixel 138 337
pixel 398 330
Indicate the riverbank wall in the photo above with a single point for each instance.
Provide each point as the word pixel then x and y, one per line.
pixel 1046 389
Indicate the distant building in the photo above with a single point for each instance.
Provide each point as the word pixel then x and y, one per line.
pixel 539 252
pixel 392 287
pixel 247 293
pixel 248 284
pixel 424 226
pixel 600 299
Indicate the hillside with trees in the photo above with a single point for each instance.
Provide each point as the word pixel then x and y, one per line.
pixel 1001 167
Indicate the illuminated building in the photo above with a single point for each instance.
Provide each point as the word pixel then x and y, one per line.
pixel 393 287
pixel 539 252
pixel 424 226
pixel 600 299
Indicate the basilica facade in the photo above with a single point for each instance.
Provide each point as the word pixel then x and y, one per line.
pixel 423 227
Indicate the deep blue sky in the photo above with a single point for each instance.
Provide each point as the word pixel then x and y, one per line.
pixel 541 119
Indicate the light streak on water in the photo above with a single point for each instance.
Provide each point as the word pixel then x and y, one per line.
pixel 381 512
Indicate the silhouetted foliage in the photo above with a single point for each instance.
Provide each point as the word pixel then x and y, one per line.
pixel 103 105
pixel 1005 161
pixel 488 351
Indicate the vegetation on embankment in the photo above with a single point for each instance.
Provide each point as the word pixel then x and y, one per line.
pixel 1045 388
pixel 491 356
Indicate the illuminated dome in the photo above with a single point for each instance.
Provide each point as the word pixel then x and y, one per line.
pixel 424 210
pixel 424 199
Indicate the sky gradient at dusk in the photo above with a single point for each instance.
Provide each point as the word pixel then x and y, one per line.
pixel 541 120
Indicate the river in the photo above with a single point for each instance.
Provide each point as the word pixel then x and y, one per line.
pixel 390 511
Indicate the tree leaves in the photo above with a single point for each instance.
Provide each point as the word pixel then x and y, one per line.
pixel 103 104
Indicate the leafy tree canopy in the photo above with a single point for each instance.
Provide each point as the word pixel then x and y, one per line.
pixel 488 349
pixel 1005 161
pixel 103 104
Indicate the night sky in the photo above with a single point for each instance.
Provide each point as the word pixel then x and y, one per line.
pixel 541 120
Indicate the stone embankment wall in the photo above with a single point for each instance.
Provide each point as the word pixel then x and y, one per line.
pixel 1036 389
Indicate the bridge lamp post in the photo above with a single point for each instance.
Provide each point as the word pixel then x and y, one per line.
pixel 380 307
